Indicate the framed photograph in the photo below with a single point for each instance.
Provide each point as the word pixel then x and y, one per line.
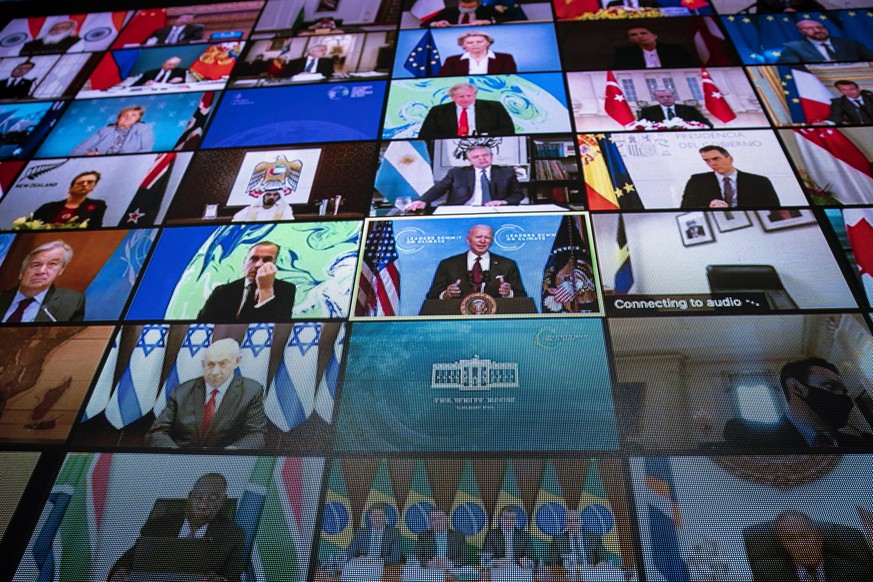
pixel 784 218
pixel 731 220
pixel 694 229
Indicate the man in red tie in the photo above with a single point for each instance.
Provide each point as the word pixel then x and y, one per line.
pixel 216 411
pixel 466 115
pixel 477 271
pixel 37 298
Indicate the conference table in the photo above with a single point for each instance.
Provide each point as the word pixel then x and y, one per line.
pixel 402 573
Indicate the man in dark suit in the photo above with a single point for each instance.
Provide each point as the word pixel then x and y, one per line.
pixel 315 61
pixel 507 543
pixel 818 46
pixel 16 86
pixel 466 115
pixel 378 541
pixel 467 13
pixel 466 186
pixel 855 105
pixel 258 296
pixel 183 30
pixel 440 546
pixel 669 109
pixel 477 271
pixel 36 298
pixel 200 519
pixel 725 186
pixel 647 53
pixel 812 552
pixel 217 410
pixel 818 407
pixel 169 72
pixel 577 546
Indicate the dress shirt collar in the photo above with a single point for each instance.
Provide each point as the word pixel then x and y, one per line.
pixel 489 55
pixel 808 432
pixel 222 390
pixel 32 310
pixel 186 531
pixel 485 263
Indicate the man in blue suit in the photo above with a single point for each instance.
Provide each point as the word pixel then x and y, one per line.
pixel 818 46
pixel 467 187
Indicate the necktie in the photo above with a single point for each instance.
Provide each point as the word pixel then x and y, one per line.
pixel 248 300
pixel 486 188
pixel 670 113
pixel 863 116
pixel 465 18
pixel 209 410
pixel 577 551
pixel 463 124
pixel 729 194
pixel 310 65
pixel 477 273
pixel 173 37
pixel 832 56
pixel 22 306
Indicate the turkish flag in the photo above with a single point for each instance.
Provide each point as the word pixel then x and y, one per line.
pixel 616 106
pixel 714 100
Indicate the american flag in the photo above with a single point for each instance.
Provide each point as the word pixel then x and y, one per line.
pixel 379 292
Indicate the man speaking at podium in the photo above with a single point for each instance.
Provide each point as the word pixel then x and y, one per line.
pixel 477 271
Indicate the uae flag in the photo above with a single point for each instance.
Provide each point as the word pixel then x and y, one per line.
pixel 714 100
pixel 834 162
pixel 859 229
pixel 615 104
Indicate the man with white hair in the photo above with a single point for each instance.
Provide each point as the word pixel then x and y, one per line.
pixel 219 410
pixel 466 116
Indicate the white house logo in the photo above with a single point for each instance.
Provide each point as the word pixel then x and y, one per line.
pixel 475 374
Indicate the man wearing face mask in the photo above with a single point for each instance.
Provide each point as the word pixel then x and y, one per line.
pixel 817 410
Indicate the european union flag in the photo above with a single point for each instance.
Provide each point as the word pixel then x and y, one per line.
pixel 424 59
pixel 625 191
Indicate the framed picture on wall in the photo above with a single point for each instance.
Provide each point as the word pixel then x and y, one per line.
pixel 694 229
pixel 731 220
pixel 784 218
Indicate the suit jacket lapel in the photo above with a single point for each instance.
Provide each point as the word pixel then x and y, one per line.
pixel 229 403
pixel 48 304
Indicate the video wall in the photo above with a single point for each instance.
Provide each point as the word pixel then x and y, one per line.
pixel 424 290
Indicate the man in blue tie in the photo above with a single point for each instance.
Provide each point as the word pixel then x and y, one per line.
pixel 440 547
pixel 378 541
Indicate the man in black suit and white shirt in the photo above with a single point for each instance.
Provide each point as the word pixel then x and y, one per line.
pixel 16 86
pixel 725 186
pixel 467 13
pixel 466 115
pixel 855 105
pixel 169 72
pixel 818 46
pixel 440 546
pixel 315 61
pixel 467 187
pixel 477 270
pixel 258 296
pixel 36 298
pixel 668 109
pixel 507 543
pixel 182 30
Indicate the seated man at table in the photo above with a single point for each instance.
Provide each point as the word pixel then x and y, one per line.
pixel 477 271
pixel 200 520
pixel 440 546
pixel 576 545
pixel 378 541
pixel 508 543
pixel 479 184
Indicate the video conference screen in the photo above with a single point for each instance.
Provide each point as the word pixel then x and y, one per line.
pixel 432 290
